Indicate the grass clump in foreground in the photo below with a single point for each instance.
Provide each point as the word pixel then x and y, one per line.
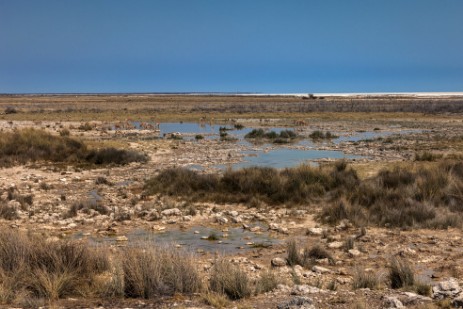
pixel 32 268
pixel 30 145
pixel 401 274
pixel 363 280
pixel 230 280
pixel 307 257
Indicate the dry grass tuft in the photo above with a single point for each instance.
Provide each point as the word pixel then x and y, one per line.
pixel 401 273
pixel 230 280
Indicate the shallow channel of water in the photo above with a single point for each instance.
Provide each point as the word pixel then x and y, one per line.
pixel 286 157
pixel 192 239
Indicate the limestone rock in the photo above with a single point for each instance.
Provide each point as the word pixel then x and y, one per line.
pixel 392 302
pixel 320 270
pixel 315 231
pixel 171 212
pixel 354 253
pixel 221 220
pixel 297 302
pixel 278 262
pixel 336 245
pixel 448 288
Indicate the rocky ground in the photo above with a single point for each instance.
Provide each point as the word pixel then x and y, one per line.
pixel 106 205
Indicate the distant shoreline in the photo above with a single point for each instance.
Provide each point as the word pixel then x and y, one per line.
pixel 254 94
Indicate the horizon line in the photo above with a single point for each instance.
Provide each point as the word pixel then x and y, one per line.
pixel 238 93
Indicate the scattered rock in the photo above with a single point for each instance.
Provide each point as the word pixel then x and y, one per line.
pixel 278 262
pixel 448 288
pixel 221 220
pixel 392 302
pixel 297 302
pixel 171 212
pixel 354 253
pixel 320 270
pixel 304 289
pixel 237 219
pixel 336 245
pixel 458 302
pixel 233 213
pixel 315 231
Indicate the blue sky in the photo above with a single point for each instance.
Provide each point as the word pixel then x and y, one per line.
pixel 230 46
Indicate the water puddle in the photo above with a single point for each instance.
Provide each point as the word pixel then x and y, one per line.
pixel 286 157
pixel 194 239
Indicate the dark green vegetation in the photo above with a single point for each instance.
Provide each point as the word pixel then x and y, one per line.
pixel 424 197
pixel 318 135
pixel 30 145
pixel 285 136
pixel 292 185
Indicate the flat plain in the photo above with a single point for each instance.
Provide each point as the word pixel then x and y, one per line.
pixel 217 201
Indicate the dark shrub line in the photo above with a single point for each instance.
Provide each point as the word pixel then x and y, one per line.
pixel 292 185
pixel 30 145
pixel 429 197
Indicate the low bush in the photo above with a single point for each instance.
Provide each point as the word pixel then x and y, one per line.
pixel 46 269
pixel 401 273
pixel 229 279
pixel 363 280
pixel 427 156
pixel 158 271
pixel 293 256
pixel 30 265
pixel 10 110
pixel 30 145
pixel 317 252
pixel 85 127
pixel 283 137
pixel 8 212
pixel 267 282
pixel 318 135
pixel 85 207
pixel 114 156
pixel 292 185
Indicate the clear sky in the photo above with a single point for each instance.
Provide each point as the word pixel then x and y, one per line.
pixel 231 46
